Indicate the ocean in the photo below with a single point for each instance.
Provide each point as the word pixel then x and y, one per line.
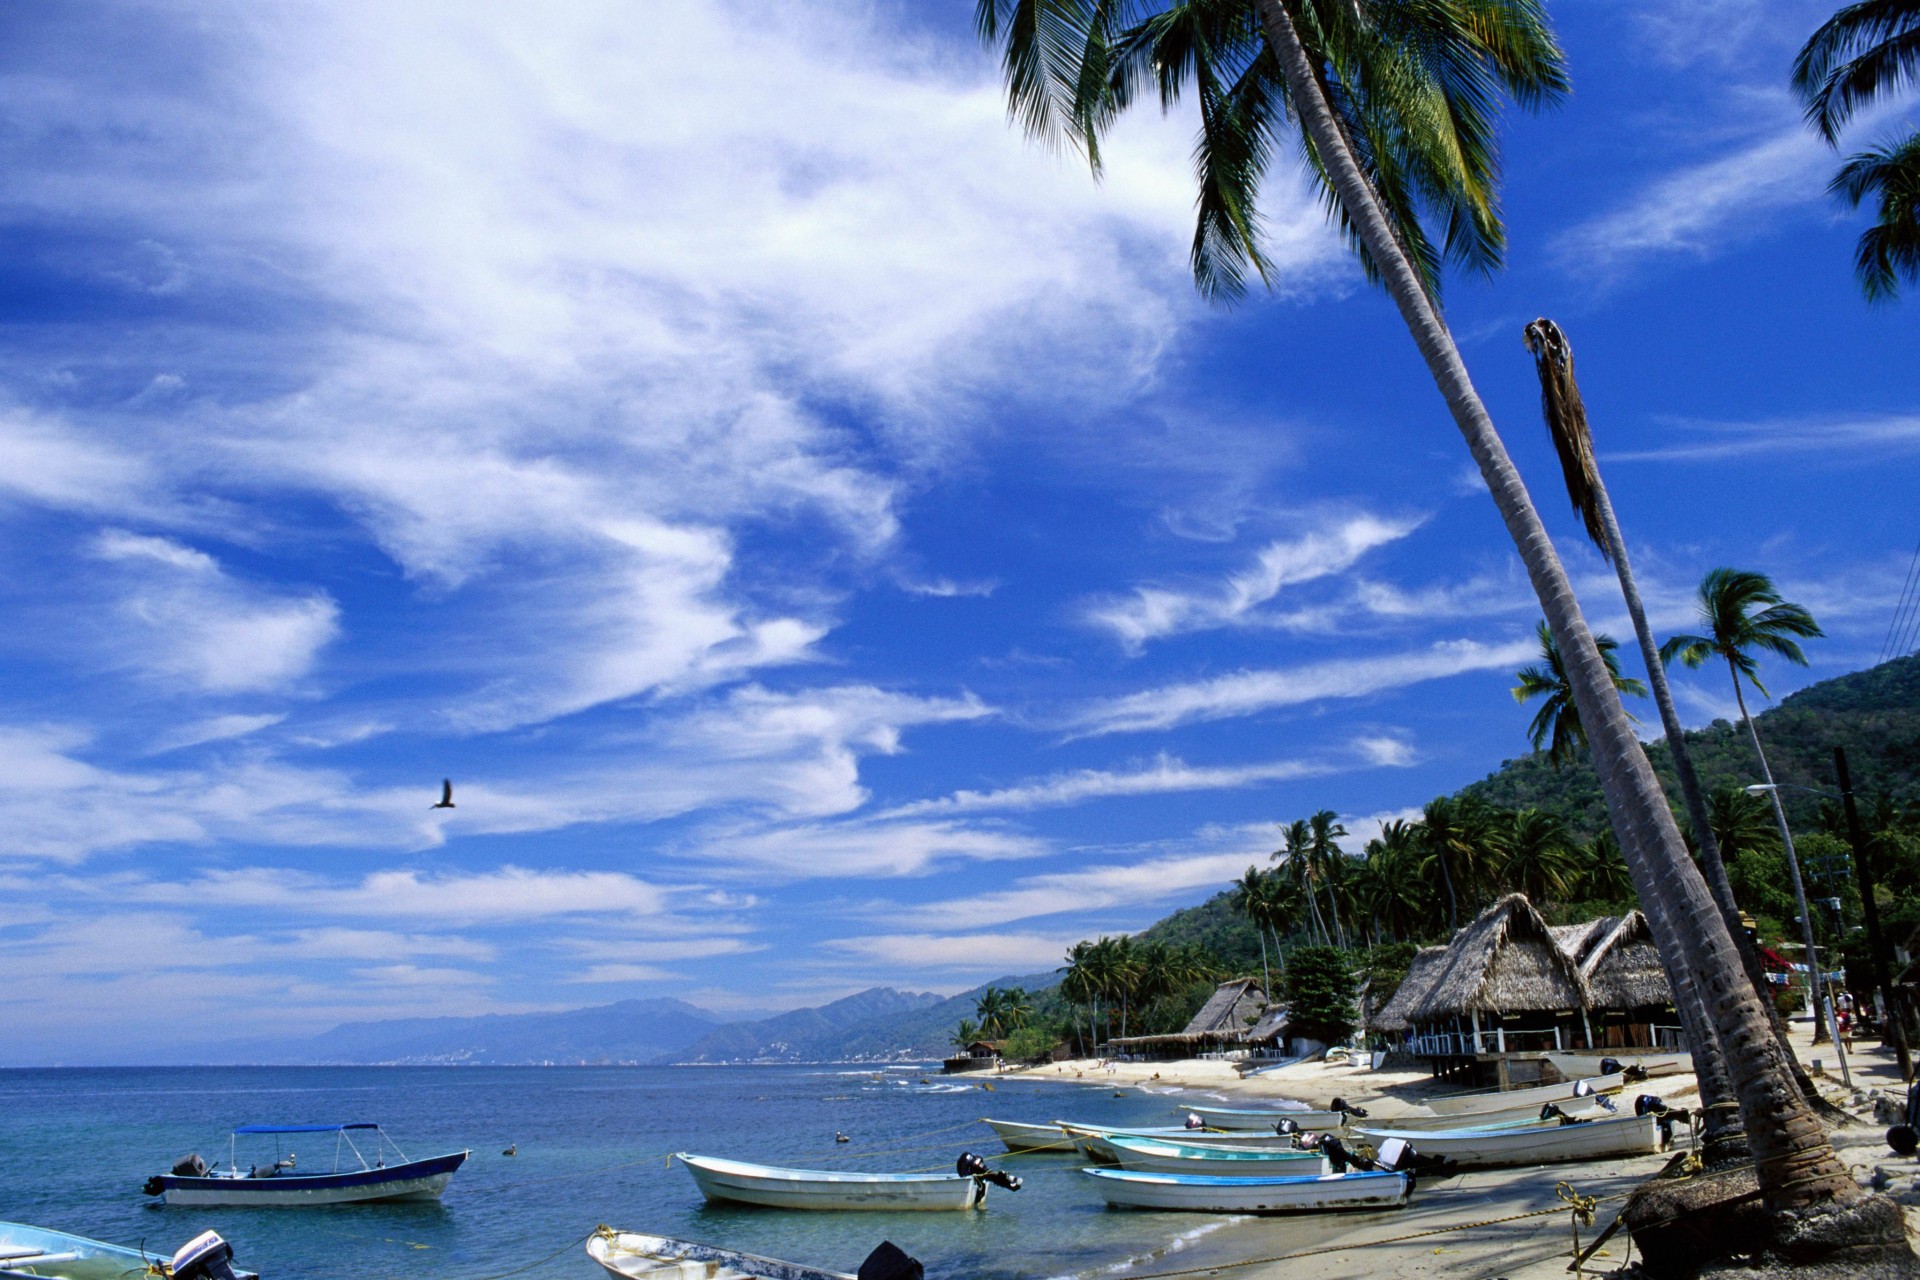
pixel 591 1142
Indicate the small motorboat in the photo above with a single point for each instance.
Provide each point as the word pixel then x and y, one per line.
pixel 1202 1193
pixel 741 1182
pixel 1150 1156
pixel 644 1257
pixel 34 1253
pixel 1485 1100
pixel 1581 1065
pixel 1543 1143
pixel 1268 1120
pixel 1027 1138
pixel 1092 1139
pixel 282 1183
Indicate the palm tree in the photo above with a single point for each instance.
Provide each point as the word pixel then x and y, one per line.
pixel 1253 895
pixel 990 1008
pixel 1565 411
pixel 1397 102
pixel 1604 875
pixel 1556 726
pixel 1539 858
pixel 1387 884
pixel 1744 615
pixel 1077 985
pixel 1295 856
pixel 1740 822
pixel 1860 53
pixel 1457 840
pixel 966 1033
pixel 1328 861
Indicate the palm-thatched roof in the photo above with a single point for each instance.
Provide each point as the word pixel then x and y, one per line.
pixel 1580 940
pixel 1393 1016
pixel 1228 1013
pixel 1623 970
pixel 1506 961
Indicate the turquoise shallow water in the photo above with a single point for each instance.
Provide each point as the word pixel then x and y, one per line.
pixel 76 1145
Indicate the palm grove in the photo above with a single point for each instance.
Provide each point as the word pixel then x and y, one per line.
pixel 1393 105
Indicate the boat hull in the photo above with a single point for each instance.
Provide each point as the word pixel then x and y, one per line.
pixel 1029 1138
pixel 1327 1193
pixel 637 1256
pixel 1578 1108
pixel 770 1186
pixel 1263 1120
pixel 1535 1144
pixel 1574 1065
pixel 1166 1157
pixel 58 1255
pixel 414 1180
pixel 1537 1096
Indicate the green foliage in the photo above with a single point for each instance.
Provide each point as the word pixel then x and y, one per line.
pixel 1319 988
pixel 1028 1043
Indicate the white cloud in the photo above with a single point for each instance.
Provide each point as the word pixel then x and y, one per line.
pixel 508 894
pixel 1091 889
pixel 1150 613
pixel 1247 692
pixel 188 620
pixel 859 849
pixel 1165 775
pixel 215 729
pixel 1834 436
pixel 622 973
pixel 960 952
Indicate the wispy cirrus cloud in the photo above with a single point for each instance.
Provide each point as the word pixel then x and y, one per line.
pixel 1088 890
pixel 1153 612
pixel 977 953
pixel 1248 692
pixel 1845 438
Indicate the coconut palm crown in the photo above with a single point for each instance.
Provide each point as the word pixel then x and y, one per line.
pixel 1556 726
pixel 1743 614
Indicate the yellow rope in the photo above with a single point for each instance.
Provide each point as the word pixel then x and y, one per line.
pixel 1580 1215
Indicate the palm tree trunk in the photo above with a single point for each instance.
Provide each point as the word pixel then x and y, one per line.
pixel 1446 878
pixel 1698 816
pixel 1795 1164
pixel 1816 984
pixel 1266 975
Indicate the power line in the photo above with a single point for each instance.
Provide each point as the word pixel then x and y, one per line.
pixel 1905 606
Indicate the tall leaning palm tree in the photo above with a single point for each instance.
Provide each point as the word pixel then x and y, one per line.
pixel 1397 103
pixel 1324 830
pixel 1861 53
pixel 1565 412
pixel 1744 616
pixel 1556 726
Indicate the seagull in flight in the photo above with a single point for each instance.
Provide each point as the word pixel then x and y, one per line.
pixel 446 795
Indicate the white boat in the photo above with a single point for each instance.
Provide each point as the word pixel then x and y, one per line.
pixel 35 1253
pixel 1579 1065
pixel 1150 1156
pixel 1092 1139
pixel 282 1183
pixel 1576 1108
pixel 739 1182
pixel 1023 1137
pixel 1530 1144
pixel 1203 1194
pixel 1267 1119
pixel 643 1257
pixel 1536 1096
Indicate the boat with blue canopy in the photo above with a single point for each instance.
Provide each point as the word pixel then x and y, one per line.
pixel 354 1179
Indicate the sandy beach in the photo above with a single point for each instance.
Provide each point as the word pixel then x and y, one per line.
pixel 1467 1225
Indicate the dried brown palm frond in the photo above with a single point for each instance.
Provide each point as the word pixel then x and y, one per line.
pixel 1566 417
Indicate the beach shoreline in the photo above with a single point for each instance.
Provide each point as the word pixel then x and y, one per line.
pixel 1474 1224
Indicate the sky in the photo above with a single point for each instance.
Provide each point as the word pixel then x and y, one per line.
pixel 822 534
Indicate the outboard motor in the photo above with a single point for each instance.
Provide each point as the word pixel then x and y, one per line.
pixel 1609 1065
pixel 1286 1128
pixel 1648 1105
pixel 190 1166
pixel 1552 1112
pixel 970 1165
pixel 1904 1137
pixel 1397 1155
pixel 1338 1157
pixel 1195 1122
pixel 1340 1105
pixel 890 1262
pixel 205 1257
pixel 1634 1074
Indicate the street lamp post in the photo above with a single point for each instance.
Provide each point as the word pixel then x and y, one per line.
pixel 1816 980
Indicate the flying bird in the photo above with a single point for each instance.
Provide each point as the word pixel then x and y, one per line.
pixel 446 794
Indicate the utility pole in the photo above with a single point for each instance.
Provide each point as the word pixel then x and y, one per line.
pixel 1876 941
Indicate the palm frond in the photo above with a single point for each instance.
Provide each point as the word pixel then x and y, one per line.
pixel 1566 416
pixel 1861 52
pixel 1890 248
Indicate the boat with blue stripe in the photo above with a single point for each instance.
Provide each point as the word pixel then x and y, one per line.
pixel 1206 1193
pixel 36 1253
pixel 282 1183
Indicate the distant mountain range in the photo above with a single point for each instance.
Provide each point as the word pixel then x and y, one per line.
pixel 879 1024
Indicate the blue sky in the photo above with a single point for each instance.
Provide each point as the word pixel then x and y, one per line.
pixel 824 537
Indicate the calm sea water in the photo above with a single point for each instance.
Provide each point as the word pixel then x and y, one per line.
pixel 75 1146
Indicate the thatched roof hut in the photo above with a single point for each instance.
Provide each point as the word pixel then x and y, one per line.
pixel 1227 1016
pixel 1394 1016
pixel 1579 940
pixel 1505 962
pixel 1623 971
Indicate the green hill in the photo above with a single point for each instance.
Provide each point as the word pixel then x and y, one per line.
pixel 1874 714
